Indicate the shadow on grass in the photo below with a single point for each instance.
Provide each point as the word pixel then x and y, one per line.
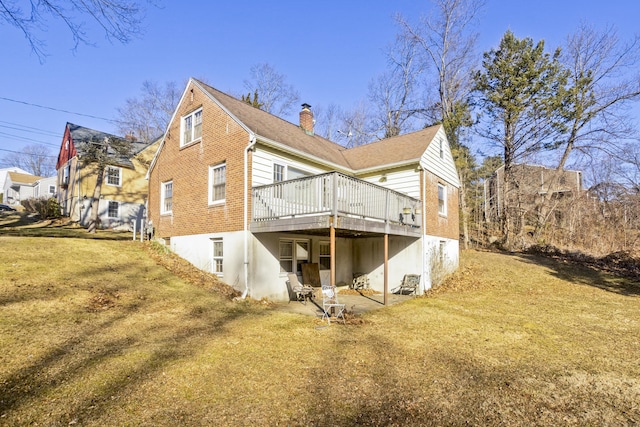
pixel 141 353
pixel 585 274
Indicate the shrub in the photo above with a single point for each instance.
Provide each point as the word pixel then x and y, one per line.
pixel 46 208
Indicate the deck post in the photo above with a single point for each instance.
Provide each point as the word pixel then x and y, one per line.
pixel 332 249
pixel 386 267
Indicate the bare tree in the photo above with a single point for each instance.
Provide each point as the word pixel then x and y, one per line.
pixel 447 43
pixel 148 115
pixel 276 95
pixel 603 80
pixel 35 159
pixel 119 19
pixel 328 121
pixel 355 128
pixel 395 94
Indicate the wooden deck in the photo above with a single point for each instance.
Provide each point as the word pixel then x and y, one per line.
pixel 350 205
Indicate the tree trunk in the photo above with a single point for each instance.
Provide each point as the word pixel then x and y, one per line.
pixel 95 202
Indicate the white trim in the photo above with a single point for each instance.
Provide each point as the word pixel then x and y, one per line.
pixel 109 210
pixel 192 116
pixel 443 211
pixel 163 185
pixel 215 240
pixel 106 172
pixel 212 170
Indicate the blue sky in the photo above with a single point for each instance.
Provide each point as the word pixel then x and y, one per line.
pixel 328 50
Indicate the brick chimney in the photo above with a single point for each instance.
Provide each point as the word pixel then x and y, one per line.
pixel 306 119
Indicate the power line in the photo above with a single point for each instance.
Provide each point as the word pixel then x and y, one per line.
pixel 57 109
pixel 24 128
pixel 28 139
pixel 28 154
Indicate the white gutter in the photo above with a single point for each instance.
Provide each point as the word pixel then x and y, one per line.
pixel 252 143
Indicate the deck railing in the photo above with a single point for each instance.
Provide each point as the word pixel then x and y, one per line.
pixel 334 194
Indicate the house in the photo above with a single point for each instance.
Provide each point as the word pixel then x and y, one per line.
pixel 18 187
pixel 532 185
pixel 124 189
pixel 45 188
pixel 3 178
pixel 251 197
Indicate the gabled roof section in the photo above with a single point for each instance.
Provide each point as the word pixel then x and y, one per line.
pixel 279 133
pixel 23 178
pixel 397 150
pixel 270 128
pixel 81 135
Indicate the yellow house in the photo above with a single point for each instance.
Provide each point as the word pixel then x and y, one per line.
pixel 124 188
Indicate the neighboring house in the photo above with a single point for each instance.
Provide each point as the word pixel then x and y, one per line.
pixel 532 184
pixel 18 187
pixel 3 178
pixel 124 188
pixel 45 188
pixel 250 197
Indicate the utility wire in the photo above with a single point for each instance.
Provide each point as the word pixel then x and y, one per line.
pixel 23 128
pixel 57 109
pixel 28 154
pixel 28 139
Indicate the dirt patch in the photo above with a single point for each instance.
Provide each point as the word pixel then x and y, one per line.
pixel 102 300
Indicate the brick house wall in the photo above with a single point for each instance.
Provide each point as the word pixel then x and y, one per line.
pixel 223 141
pixel 436 224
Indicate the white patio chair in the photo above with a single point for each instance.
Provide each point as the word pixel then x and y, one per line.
pixel 330 304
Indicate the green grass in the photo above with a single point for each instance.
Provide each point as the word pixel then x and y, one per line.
pixel 94 332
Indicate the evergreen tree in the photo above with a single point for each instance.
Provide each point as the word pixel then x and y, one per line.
pixel 520 89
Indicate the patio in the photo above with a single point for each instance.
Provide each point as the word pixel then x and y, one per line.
pixel 355 304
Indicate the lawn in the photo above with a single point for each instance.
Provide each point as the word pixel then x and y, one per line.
pixel 98 333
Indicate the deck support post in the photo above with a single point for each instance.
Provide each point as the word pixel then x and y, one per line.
pixel 332 249
pixel 386 267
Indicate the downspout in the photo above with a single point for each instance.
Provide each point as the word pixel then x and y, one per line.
pixel 79 184
pixel 425 258
pixel 252 143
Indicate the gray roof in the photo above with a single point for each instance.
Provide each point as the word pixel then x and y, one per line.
pixel 82 135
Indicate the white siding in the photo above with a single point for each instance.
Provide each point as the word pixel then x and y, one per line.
pixel 444 167
pixel 405 181
pixel 263 161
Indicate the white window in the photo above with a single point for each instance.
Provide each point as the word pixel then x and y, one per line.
pixel 442 200
pixel 218 255
pixel 52 189
pixel 217 183
pixel 65 174
pixel 113 210
pixel 441 144
pixel 114 175
pixel 285 173
pixel 278 173
pixel 166 197
pixel 325 256
pixel 293 253
pixel 191 126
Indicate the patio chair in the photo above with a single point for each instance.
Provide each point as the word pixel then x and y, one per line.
pixel 360 281
pixel 330 304
pixel 409 285
pixel 301 292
